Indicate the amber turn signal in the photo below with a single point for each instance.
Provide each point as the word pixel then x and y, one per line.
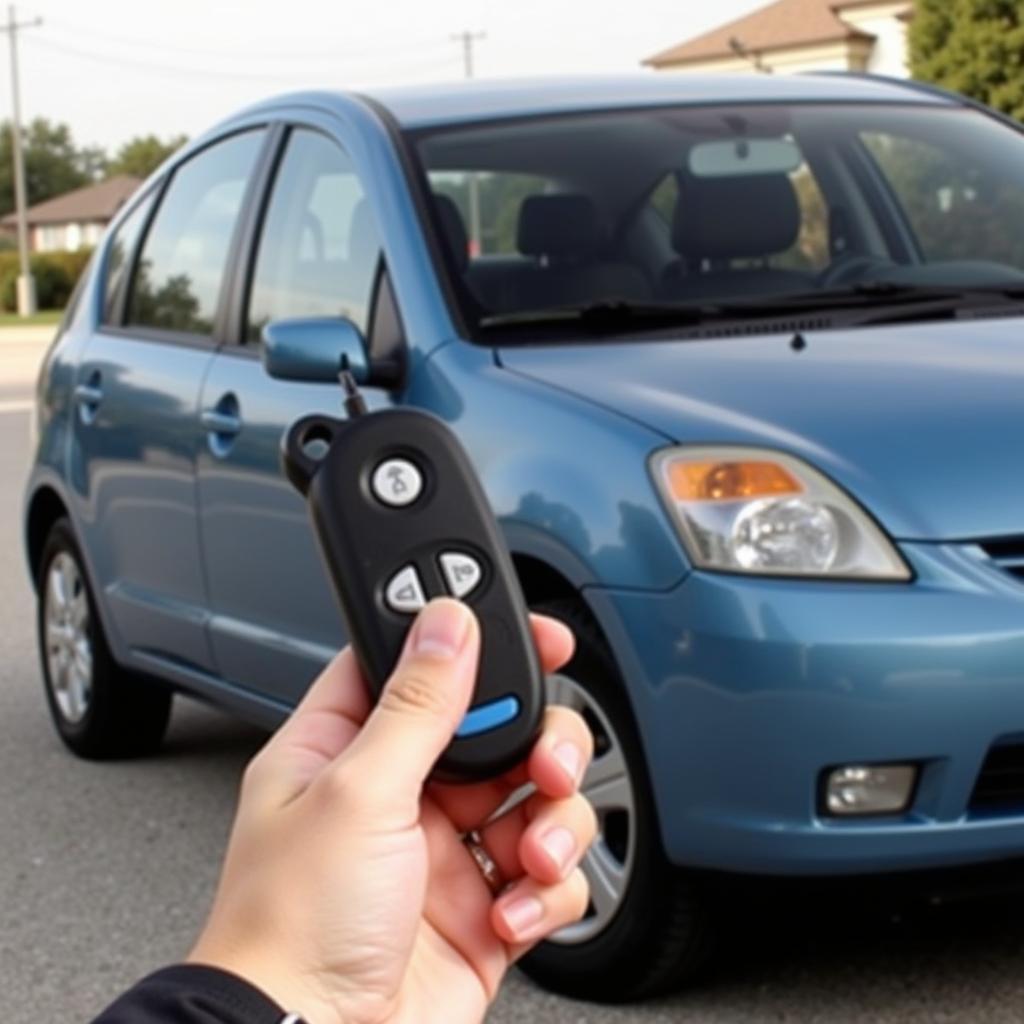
pixel 729 481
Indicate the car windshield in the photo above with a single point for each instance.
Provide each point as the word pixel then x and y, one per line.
pixel 724 208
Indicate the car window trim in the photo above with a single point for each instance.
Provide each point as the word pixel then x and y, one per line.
pixel 237 340
pixel 457 297
pixel 190 339
pixel 250 231
pixel 154 196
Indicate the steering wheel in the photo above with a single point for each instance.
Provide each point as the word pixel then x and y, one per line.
pixel 847 268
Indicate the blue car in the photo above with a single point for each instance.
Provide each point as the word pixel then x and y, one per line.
pixel 740 362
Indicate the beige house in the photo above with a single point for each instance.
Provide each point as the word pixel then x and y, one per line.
pixel 76 219
pixel 801 35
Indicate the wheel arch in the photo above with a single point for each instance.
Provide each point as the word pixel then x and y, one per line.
pixel 44 509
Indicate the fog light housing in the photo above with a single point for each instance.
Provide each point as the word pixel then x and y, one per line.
pixel 855 789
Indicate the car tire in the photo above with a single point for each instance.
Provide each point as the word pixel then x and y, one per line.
pixel 100 711
pixel 658 934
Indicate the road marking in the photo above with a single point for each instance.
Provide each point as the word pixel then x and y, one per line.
pixel 17 405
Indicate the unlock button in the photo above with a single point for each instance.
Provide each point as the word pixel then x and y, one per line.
pixel 461 572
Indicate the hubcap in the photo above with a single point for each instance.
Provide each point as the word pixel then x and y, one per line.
pixel 68 649
pixel 608 864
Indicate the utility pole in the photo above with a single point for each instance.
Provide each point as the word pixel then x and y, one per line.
pixel 26 285
pixel 467 39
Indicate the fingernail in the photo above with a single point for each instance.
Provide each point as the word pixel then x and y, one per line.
pixel 441 629
pixel 522 914
pixel 560 845
pixel 568 756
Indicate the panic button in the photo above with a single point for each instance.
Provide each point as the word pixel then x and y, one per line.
pixel 485 717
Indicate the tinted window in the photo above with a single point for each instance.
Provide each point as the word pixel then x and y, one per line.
pixel 178 278
pixel 122 245
pixel 320 247
pixel 741 226
pixel 961 203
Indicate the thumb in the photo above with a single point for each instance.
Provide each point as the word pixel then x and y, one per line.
pixel 421 705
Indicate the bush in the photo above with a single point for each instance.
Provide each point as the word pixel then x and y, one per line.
pixel 55 272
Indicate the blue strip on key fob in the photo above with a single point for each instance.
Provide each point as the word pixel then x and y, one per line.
pixel 401 517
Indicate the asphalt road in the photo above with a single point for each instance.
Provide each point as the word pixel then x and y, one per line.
pixel 106 870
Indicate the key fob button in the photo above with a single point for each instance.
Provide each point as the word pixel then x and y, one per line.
pixel 461 572
pixel 404 592
pixel 397 482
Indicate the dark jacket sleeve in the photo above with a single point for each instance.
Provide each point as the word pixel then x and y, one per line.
pixel 192 994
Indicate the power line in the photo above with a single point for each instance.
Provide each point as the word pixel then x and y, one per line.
pixel 294 76
pixel 335 53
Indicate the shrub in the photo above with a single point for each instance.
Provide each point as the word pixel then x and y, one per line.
pixel 55 272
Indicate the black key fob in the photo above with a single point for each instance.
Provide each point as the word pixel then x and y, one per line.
pixel 401 518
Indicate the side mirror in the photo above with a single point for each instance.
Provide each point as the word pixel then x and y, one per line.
pixel 313 349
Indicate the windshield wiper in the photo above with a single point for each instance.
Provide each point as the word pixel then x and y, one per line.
pixel 871 302
pixel 600 316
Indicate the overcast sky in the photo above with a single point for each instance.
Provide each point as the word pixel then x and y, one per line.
pixel 116 68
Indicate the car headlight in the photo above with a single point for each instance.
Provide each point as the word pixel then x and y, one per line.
pixel 752 510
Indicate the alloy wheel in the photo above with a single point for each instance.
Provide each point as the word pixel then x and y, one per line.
pixel 608 864
pixel 68 647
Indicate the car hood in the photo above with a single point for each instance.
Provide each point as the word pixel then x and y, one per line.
pixel 924 424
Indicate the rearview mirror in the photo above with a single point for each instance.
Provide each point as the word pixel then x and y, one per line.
pixel 314 349
pixel 740 157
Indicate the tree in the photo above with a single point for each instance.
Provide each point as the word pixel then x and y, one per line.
pixel 52 163
pixel 973 46
pixel 143 154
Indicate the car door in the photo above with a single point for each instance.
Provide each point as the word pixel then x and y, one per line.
pixel 274 619
pixel 135 429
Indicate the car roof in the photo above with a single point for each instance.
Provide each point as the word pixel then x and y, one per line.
pixel 481 99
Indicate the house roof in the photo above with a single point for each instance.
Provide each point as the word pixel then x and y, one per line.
pixel 97 202
pixel 777 26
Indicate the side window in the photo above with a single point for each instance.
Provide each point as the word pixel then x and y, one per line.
pixel 179 274
pixel 955 209
pixel 122 245
pixel 319 248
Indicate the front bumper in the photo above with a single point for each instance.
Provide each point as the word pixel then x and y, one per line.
pixel 746 689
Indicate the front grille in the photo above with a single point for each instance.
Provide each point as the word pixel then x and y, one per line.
pixel 1000 785
pixel 1007 553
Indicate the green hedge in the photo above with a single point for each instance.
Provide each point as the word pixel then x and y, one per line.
pixel 55 274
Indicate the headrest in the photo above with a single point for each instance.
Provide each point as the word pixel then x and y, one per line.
pixel 735 218
pixel 558 225
pixel 453 230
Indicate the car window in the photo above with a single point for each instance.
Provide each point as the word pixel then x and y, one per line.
pixel 122 245
pixel 489 205
pixel 955 206
pixel 178 278
pixel 319 248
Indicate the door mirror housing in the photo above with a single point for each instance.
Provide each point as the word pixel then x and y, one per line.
pixel 314 350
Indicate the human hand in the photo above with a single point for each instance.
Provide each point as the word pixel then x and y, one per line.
pixel 347 894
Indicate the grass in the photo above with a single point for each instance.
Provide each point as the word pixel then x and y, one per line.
pixel 46 316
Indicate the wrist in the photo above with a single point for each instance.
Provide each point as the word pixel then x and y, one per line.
pixel 286 988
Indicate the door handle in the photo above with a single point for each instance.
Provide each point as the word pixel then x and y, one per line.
pixel 224 423
pixel 88 396
pixel 85 394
